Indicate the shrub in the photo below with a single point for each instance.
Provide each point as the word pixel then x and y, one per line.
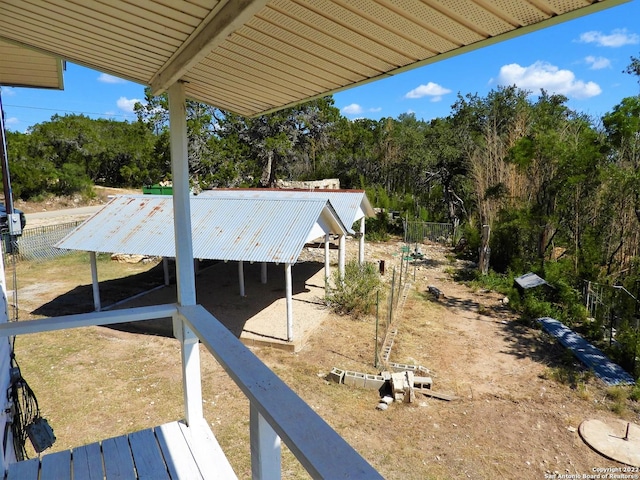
pixel 356 294
pixel 635 392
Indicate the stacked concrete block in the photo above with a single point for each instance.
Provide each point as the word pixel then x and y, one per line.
pixel 422 383
pixel 400 384
pixel 355 379
pixel 388 344
pixel 336 375
pixel 373 382
pixel 403 367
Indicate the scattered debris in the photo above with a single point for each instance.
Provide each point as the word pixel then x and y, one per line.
pixel 399 386
pixel 435 292
pixel 401 367
pixel 439 396
pixel 127 258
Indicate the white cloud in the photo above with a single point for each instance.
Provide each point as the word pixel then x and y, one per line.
pixel 12 121
pixel 127 104
pixel 549 77
pixel 375 109
pixel 106 78
pixel 617 38
pixel 353 109
pixel 431 89
pixel 8 91
pixel 597 63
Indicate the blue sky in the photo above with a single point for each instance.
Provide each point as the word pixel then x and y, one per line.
pixel 582 59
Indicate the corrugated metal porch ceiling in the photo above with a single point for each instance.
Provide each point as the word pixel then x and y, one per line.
pixel 252 56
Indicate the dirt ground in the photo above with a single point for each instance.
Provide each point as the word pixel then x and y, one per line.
pixel 510 420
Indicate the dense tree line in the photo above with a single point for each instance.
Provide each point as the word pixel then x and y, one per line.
pixel 559 191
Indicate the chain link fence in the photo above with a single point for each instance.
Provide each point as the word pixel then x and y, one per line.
pixel 418 232
pixel 37 244
pixel 390 303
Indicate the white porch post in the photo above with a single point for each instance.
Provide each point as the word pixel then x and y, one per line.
pixel 185 275
pixel 361 244
pixel 263 272
pixel 289 288
pixel 94 282
pixel 265 448
pixel 341 256
pixel 241 277
pixel 327 263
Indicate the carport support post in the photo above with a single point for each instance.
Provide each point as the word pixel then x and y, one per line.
pixel 327 263
pixel 263 273
pixel 241 277
pixel 185 275
pixel 165 268
pixel 361 243
pixel 94 281
pixel 289 288
pixel 341 255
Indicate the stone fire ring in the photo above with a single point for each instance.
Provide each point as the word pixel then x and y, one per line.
pixel 616 439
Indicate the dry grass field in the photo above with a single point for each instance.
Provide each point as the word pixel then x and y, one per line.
pixel 515 416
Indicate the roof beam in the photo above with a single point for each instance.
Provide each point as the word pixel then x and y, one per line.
pixel 215 29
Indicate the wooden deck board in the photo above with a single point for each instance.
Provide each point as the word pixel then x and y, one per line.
pixel 87 462
pixel 212 462
pixel 176 452
pixel 118 461
pixel 170 451
pixel 147 457
pixel 25 470
pixel 56 465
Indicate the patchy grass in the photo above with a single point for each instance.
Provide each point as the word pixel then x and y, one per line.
pixel 94 383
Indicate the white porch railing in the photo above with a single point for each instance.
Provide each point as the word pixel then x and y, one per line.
pixel 276 412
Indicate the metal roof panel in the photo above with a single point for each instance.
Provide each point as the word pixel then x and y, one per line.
pixel 249 229
pixel 350 205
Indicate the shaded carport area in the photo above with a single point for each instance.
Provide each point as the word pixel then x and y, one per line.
pixel 252 238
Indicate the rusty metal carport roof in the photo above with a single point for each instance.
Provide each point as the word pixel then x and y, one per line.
pixel 254 56
pixel 350 205
pixel 256 230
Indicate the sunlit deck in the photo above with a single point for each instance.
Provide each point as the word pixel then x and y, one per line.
pixel 174 450
pixel 167 452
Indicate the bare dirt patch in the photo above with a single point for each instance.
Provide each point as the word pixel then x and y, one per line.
pixel 102 195
pixel 511 419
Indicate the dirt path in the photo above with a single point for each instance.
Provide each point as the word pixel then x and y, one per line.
pixel 510 420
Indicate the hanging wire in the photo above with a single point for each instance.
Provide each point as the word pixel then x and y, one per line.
pixel 25 410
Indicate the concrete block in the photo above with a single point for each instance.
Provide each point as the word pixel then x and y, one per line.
pixel 422 383
pixel 336 375
pixel 373 382
pixel 355 379
pixel 398 382
pixel 401 367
